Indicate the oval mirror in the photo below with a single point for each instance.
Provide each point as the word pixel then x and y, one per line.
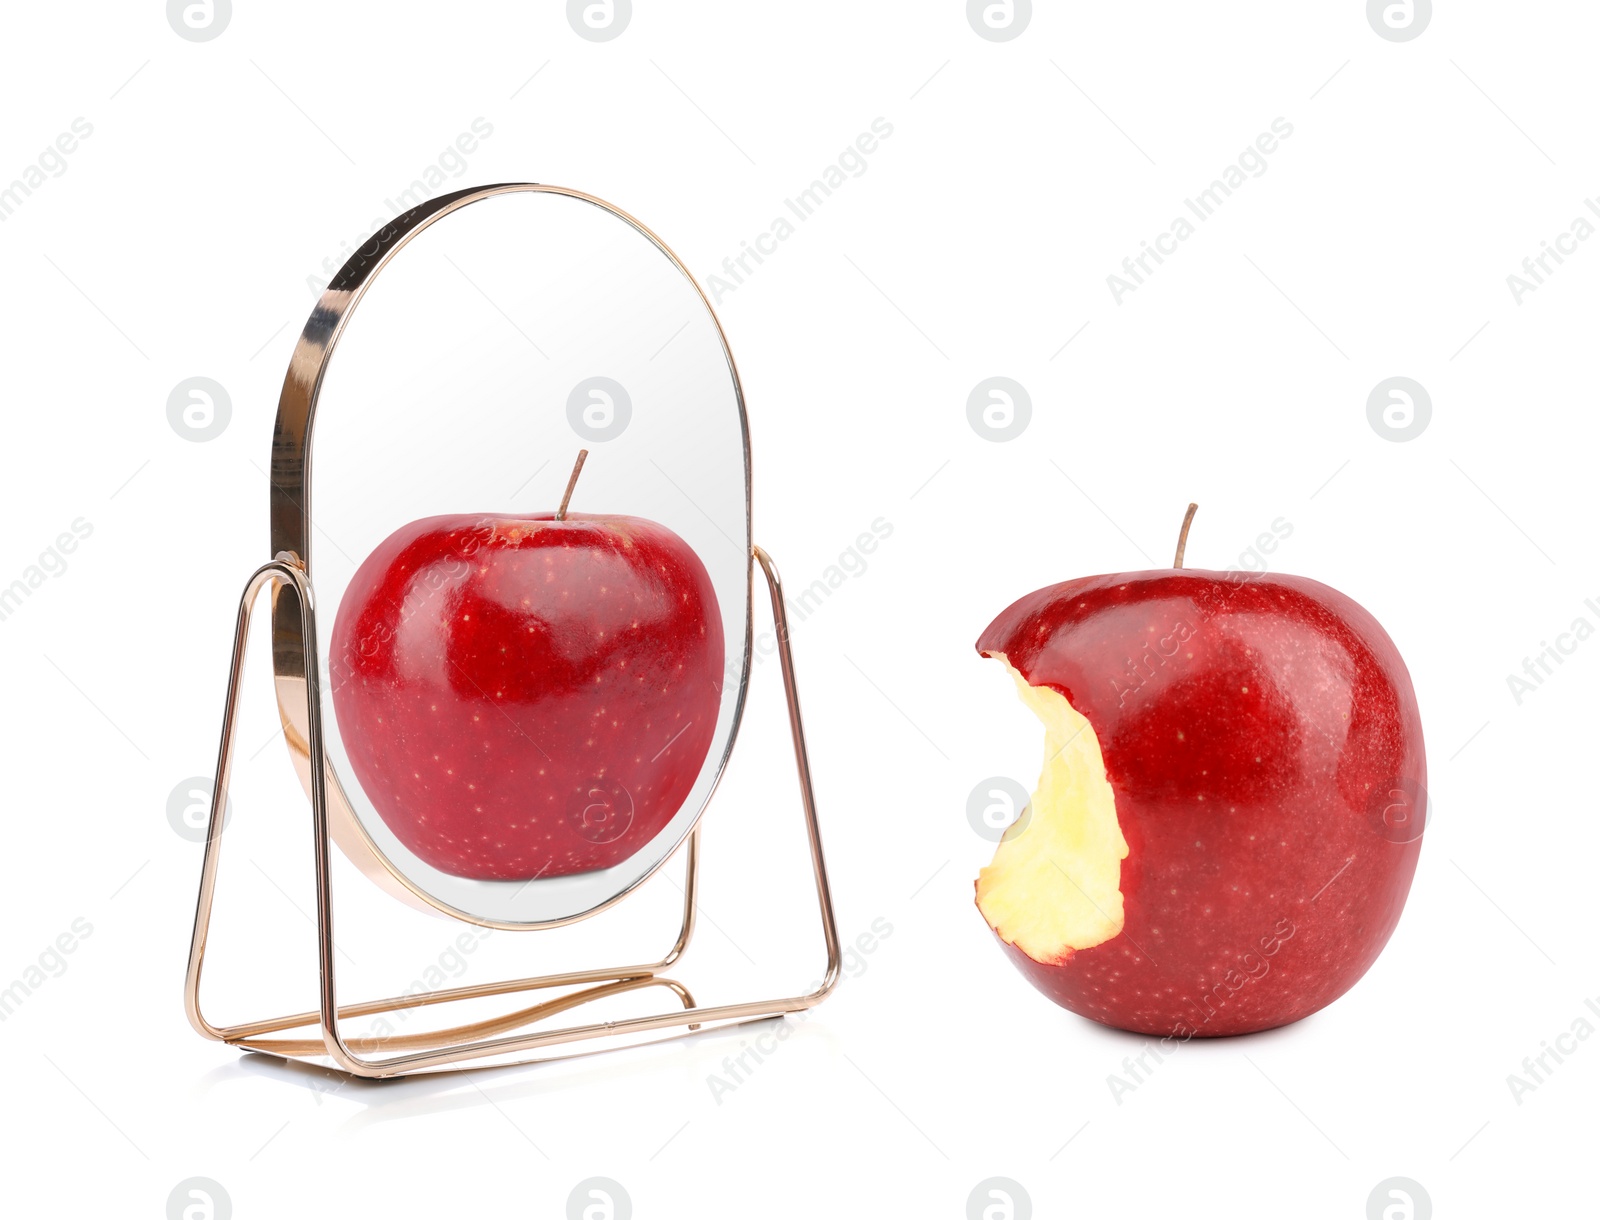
pixel 525 710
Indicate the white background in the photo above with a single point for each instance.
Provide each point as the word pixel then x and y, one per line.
pixel 219 175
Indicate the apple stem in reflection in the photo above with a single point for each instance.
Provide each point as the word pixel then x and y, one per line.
pixel 1183 534
pixel 577 469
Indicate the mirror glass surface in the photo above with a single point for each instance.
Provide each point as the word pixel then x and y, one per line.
pixel 526 718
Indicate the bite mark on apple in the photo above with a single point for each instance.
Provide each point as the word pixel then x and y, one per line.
pixel 1054 885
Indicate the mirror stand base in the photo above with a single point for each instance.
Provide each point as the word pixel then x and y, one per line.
pixel 505 1039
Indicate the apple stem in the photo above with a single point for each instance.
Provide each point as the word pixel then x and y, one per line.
pixel 1183 534
pixel 577 469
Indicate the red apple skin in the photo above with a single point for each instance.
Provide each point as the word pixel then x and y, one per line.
pixel 1263 743
pixel 523 697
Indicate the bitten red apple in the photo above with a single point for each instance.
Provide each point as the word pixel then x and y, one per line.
pixel 528 696
pixel 1232 801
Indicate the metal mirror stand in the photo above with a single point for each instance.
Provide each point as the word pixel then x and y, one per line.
pixel 479 1043
pixel 473 1043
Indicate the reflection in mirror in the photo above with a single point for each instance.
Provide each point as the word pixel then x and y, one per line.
pixel 531 673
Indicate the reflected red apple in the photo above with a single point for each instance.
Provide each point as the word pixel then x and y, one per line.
pixel 528 696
